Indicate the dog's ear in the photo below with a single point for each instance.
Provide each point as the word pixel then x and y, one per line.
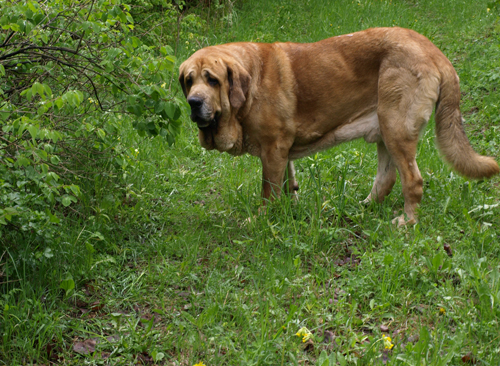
pixel 183 85
pixel 239 82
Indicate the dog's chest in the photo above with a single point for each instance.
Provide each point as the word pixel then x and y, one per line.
pixel 250 146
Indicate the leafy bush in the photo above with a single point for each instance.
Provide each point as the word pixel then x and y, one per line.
pixel 72 74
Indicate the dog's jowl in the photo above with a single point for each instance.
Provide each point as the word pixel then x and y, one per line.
pixel 283 101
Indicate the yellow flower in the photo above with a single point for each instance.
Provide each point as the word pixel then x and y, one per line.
pixel 442 311
pixel 200 364
pixel 387 341
pixel 304 333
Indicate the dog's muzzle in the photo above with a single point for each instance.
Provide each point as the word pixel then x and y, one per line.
pixel 200 114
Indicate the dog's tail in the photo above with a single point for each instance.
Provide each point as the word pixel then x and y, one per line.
pixel 451 139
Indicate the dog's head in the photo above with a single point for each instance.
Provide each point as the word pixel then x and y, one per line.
pixel 216 87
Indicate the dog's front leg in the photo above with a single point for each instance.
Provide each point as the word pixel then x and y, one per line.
pixel 274 163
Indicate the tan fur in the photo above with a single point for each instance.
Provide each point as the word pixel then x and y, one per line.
pixel 283 101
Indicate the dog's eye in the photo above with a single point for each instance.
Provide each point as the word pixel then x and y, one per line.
pixel 212 81
pixel 189 82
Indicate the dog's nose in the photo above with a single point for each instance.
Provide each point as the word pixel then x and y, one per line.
pixel 195 102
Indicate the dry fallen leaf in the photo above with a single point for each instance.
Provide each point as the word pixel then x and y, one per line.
pixel 414 338
pixel 54 351
pixel 145 359
pixel 113 338
pixel 329 336
pixel 309 345
pixel 96 306
pixel 447 249
pixel 385 356
pixel 469 358
pixel 85 347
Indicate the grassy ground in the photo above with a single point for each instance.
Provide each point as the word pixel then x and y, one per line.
pixel 175 274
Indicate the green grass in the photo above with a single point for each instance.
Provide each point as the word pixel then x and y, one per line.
pixel 176 273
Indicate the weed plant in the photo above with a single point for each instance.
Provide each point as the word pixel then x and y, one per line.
pixel 176 274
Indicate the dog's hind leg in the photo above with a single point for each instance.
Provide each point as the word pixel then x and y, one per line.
pixel 402 151
pixel 406 101
pixel 386 175
pixel 412 183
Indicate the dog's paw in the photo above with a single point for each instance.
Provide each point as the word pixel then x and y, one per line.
pixel 367 201
pixel 401 221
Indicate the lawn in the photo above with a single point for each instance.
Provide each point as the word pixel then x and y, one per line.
pixel 176 274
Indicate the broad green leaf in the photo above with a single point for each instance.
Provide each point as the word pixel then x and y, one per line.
pixel 75 189
pixel 21 129
pixel 28 14
pixel 135 42
pixel 157 356
pixel 37 88
pixel 341 359
pixel 101 133
pixel 32 7
pixel 52 176
pixel 54 136
pixel 42 154
pixel 47 90
pixel 67 285
pixel 13 26
pixel 322 358
pixel 123 17
pixel 59 102
pixel 170 63
pixel 159 107
pixel 47 253
pixel 113 52
pixel 54 219
pixel 90 247
pixel 170 109
pixel 170 139
pixel 67 199
pixel 22 161
pixel 73 97
pixel 166 50
pixel 28 27
pixel 33 130
pixel 7 213
pixel 28 93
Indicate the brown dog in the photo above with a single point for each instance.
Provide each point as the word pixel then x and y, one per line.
pixel 283 101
